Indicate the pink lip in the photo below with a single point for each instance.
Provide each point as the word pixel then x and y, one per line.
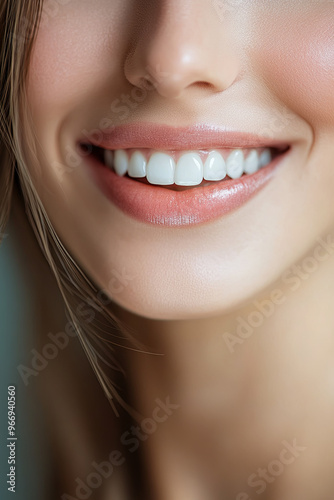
pixel 155 136
pixel 165 207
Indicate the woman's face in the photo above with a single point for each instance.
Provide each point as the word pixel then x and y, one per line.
pixel 171 77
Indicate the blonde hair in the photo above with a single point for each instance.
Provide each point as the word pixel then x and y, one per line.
pixel 19 20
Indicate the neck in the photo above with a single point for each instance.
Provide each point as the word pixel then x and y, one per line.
pixel 248 377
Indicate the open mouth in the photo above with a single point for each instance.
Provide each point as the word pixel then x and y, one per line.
pixel 180 176
pixel 184 170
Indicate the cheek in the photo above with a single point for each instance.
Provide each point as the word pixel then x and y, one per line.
pixel 72 59
pixel 296 60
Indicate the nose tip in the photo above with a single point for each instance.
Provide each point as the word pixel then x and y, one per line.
pixel 171 75
pixel 180 52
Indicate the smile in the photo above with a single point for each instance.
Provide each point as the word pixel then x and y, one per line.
pixel 187 168
pixel 171 186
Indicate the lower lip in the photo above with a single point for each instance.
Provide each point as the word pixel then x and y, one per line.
pixel 164 207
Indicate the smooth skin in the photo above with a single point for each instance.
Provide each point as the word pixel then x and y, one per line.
pixel 251 66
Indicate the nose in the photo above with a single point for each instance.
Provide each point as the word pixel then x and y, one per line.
pixel 181 45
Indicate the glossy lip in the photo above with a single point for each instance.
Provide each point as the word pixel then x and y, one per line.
pixel 157 205
pixel 164 207
pixel 160 137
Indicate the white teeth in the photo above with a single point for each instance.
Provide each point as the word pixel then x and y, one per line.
pixel 160 169
pixel 137 165
pixel 189 170
pixel 235 164
pixel 265 158
pixel 121 162
pixel 214 167
pixel 251 164
pixel 109 158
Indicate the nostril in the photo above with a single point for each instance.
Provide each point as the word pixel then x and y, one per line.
pixel 147 83
pixel 205 85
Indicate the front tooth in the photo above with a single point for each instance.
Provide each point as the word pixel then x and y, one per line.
pixel 108 158
pixel 160 169
pixel 251 164
pixel 189 170
pixel 214 167
pixel 235 164
pixel 265 158
pixel 121 162
pixel 137 165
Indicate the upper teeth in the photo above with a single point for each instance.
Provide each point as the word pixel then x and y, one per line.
pixel 190 169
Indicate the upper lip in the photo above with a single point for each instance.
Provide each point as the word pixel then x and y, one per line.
pixel 162 137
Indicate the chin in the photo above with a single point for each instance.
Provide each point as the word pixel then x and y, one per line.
pixel 187 302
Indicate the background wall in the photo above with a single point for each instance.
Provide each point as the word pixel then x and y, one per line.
pixel 17 326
